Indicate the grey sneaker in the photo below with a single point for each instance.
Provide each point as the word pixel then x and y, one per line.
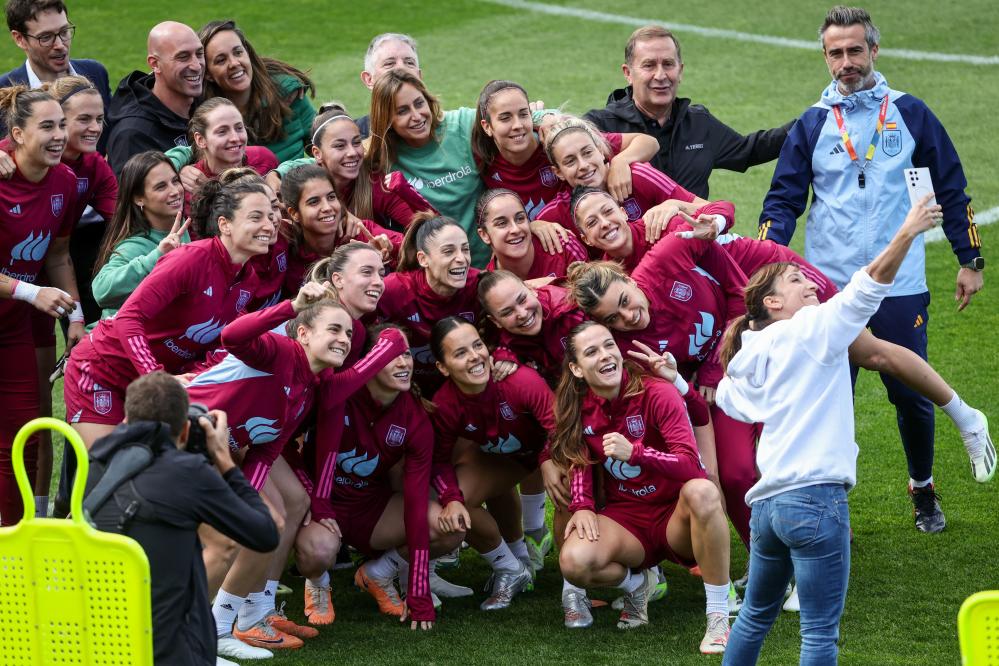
pixel 716 636
pixel 636 604
pixel 576 608
pixel 505 586
pixel 981 450
pixel 438 586
pixel 662 587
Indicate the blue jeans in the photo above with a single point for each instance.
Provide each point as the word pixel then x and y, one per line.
pixel 807 532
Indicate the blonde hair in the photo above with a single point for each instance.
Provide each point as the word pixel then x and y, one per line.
pixel 566 125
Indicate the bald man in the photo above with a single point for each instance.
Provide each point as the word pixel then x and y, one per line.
pixel 150 111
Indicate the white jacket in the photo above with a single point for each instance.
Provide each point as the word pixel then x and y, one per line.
pixel 794 378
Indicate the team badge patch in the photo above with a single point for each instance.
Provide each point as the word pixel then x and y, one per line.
pixel 82 185
pixel 636 425
pixel 282 262
pixel 102 402
pixel 506 411
pixel 395 436
pixel 470 316
pixel 244 298
pixel 891 142
pixel 632 209
pixel 681 291
pixel 548 178
pixel 56 201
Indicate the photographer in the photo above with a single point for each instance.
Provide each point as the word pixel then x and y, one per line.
pixel 162 505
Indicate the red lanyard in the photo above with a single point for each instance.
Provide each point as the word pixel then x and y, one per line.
pixel 874 140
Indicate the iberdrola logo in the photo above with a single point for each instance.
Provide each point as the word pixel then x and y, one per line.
pixel 31 248
pixel 621 470
pixel 353 462
pixel 261 430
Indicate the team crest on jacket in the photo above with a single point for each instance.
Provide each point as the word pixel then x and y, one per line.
pixel 395 436
pixel 632 208
pixel 244 298
pixel 82 185
pixel 506 411
pixel 681 291
pixel 282 262
pixel 891 142
pixel 56 201
pixel 636 425
pixel 470 316
pixel 548 178
pixel 102 402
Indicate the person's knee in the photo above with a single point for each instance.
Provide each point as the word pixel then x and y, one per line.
pixel 315 553
pixel 702 497
pixel 577 562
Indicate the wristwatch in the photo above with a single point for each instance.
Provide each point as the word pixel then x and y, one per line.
pixel 976 264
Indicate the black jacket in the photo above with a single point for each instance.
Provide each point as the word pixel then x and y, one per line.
pixel 693 142
pixel 182 490
pixel 140 121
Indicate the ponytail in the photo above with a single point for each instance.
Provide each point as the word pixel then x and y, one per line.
pixel 425 226
pixel 761 284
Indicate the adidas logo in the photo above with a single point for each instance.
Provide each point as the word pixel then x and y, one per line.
pixel 207 292
pixel 662 345
pixel 470 428
pixel 496 176
pixel 837 149
pixel 227 607
pixel 588 430
pixel 415 317
pixel 287 391
pixel 16 210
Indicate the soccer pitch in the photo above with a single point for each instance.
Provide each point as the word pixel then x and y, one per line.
pixel 905 587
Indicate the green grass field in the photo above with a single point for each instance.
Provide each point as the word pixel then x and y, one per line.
pixel 905 587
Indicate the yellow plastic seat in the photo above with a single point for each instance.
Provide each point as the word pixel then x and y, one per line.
pixel 68 593
pixel 978 629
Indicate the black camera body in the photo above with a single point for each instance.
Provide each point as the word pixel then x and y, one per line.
pixel 196 437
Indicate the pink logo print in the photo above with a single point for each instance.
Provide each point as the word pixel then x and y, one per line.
pixel 636 426
pixel 102 402
pixel 681 291
pixel 395 436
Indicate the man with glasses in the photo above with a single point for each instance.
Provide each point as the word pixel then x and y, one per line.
pixel 42 30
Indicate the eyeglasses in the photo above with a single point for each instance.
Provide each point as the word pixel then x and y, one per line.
pixel 48 38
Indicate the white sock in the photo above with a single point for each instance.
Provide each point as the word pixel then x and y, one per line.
pixel 518 548
pixel 717 598
pixel 964 417
pixel 632 581
pixel 501 558
pixel 270 594
pixel 920 484
pixel 41 506
pixel 385 567
pixel 253 610
pixel 533 509
pixel 224 610
pixel 566 586
pixel 320 581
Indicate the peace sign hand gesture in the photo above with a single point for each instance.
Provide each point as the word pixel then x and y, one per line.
pixel 661 365
pixel 173 239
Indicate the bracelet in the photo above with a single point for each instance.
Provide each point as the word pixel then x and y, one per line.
pixel 76 316
pixel 25 291
pixel 681 384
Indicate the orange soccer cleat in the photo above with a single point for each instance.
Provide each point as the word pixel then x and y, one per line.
pixel 383 591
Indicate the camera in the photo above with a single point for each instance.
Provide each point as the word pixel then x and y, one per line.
pixel 196 436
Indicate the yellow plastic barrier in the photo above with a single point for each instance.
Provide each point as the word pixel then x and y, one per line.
pixel 978 629
pixel 68 593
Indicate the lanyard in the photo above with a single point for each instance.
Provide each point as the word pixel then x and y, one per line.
pixel 874 140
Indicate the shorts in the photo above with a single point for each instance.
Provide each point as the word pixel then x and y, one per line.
pixel 86 400
pixel 357 519
pixel 649 528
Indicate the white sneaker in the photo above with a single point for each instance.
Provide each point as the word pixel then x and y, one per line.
pixel 978 444
pixel 230 646
pixel 438 586
pixel 219 661
pixel 716 635
pixel 792 604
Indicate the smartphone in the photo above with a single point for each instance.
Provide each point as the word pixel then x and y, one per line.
pixel 919 184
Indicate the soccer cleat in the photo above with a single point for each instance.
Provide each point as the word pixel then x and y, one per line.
pixel 263 635
pixel 447 589
pixel 576 609
pixel 734 602
pixel 319 604
pixel 538 549
pixel 926 509
pixel 230 646
pixel 280 621
pixel 343 559
pixel 383 591
pixel 662 587
pixel 716 636
pixel 636 604
pixel 741 583
pixel 792 604
pixel 219 661
pixel 505 586
pixel 449 561
pixel 282 590
pixel 981 450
